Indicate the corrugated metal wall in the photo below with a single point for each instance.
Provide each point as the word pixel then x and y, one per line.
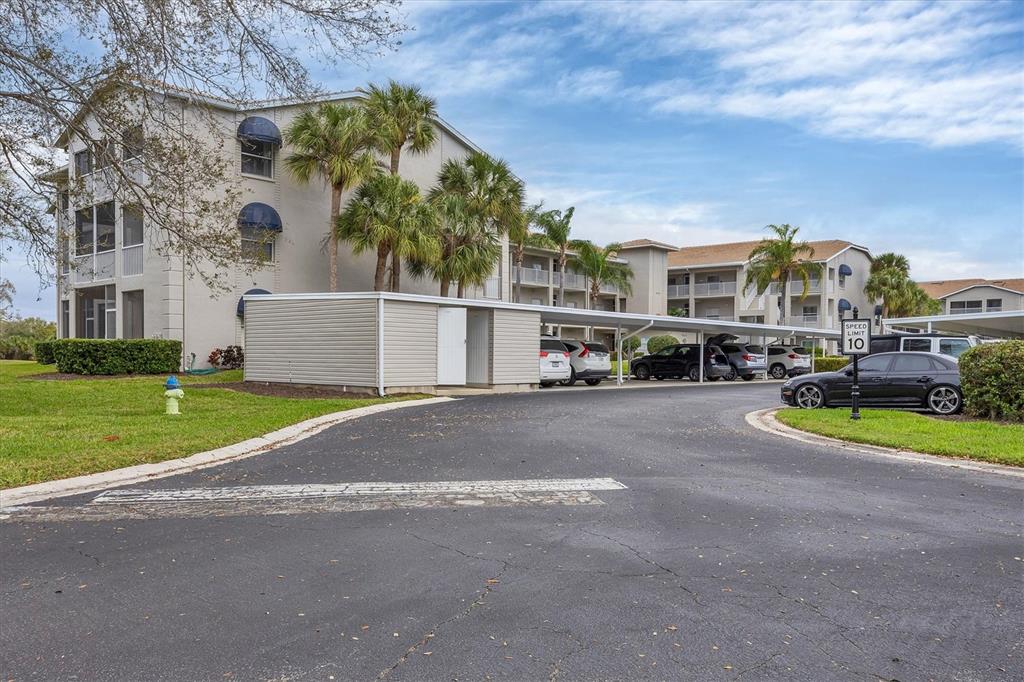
pixel 410 344
pixel 312 342
pixel 515 344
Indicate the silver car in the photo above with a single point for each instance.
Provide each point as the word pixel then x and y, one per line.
pixel 745 359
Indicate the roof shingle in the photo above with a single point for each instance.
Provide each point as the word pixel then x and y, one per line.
pixel 739 252
pixel 944 287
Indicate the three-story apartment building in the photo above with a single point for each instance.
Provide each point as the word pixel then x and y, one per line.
pixel 976 295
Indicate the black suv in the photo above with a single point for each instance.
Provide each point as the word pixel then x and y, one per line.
pixel 680 360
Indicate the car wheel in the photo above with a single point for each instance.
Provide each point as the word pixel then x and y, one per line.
pixel 778 372
pixel 547 384
pixel 731 376
pixel 748 377
pixel 642 372
pixel 593 382
pixel 809 397
pixel 571 381
pixel 944 400
pixel 694 373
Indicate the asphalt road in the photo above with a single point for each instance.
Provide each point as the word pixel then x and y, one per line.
pixel 730 554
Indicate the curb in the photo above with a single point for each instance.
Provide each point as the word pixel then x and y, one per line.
pixel 765 421
pixel 201 460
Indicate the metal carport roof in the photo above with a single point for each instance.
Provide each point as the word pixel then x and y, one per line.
pixel 1002 324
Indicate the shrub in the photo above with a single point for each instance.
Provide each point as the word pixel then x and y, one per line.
pixel 656 343
pixel 44 352
pixel 992 380
pixel 231 357
pixel 117 356
pixel 830 363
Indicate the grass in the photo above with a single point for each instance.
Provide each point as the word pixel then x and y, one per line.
pixel 982 440
pixel 56 429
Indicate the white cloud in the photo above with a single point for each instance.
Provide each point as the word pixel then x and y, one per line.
pixel 589 83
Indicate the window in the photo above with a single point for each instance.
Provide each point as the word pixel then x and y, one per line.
pixel 65 252
pixel 104 154
pixel 730 348
pixel 257 245
pixel 756 350
pixel 665 352
pixel 131 227
pixel 83 162
pixel 83 231
pixel 65 319
pixel 923 345
pixel 105 227
pixel 953 347
pixel 711 313
pixel 964 306
pixel 132 314
pixel 874 363
pixel 257 158
pixel 131 143
pixel 775 350
pixel 994 305
pixel 714 279
pixel 553 345
pixel 810 312
pixel 912 363
pixel 884 344
pixel 97 313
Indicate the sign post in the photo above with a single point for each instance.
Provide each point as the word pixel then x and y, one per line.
pixel 856 342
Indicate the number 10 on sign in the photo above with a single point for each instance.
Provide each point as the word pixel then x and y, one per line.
pixel 856 337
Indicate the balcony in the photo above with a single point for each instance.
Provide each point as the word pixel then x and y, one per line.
pixel 534 276
pixel 720 318
pixel 807 320
pixel 968 311
pixel 572 280
pixel 797 288
pixel 131 260
pixel 608 288
pixel 492 287
pixel 714 289
pixel 678 290
pixel 93 267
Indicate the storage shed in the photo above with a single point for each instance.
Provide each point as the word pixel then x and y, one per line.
pixel 389 343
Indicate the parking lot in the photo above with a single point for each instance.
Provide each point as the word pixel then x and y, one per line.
pixel 654 537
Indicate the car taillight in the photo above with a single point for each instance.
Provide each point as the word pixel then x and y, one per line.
pixel 565 354
pixel 585 352
pixel 748 357
pixel 793 356
pixel 543 353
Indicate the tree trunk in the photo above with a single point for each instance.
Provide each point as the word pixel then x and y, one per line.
pixel 396 272
pixel 460 291
pixel 332 242
pixel 561 279
pixel 519 273
pixel 782 301
pixel 382 266
pixel 396 154
pixel 446 285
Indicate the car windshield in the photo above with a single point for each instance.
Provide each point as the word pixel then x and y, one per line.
pixel 552 344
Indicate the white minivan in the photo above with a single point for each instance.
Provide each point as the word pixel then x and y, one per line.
pixel 945 344
pixel 554 361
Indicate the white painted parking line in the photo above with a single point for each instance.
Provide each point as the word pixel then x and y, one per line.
pixel 292 492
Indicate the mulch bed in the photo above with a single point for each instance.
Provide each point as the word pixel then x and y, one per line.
pixel 282 390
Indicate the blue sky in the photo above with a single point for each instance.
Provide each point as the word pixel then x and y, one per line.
pixel 899 126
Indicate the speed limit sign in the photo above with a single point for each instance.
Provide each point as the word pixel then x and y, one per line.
pixel 856 337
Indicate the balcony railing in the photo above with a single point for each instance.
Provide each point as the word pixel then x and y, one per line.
pixel 572 280
pixel 967 311
pixel 93 267
pixel 803 320
pixel 131 260
pixel 609 288
pixel 492 287
pixel 714 289
pixel 678 290
pixel 534 276
pixel 722 318
pixel 797 288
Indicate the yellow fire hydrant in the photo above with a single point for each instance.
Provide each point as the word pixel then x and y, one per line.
pixel 173 394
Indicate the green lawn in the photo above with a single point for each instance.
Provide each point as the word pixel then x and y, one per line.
pixel 988 441
pixel 57 429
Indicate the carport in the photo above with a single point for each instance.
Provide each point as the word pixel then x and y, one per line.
pixel 391 342
pixel 1007 324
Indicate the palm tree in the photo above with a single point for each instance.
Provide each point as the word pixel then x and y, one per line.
pixel 598 265
pixel 403 117
pixel 778 259
pixel 889 280
pixel 390 215
pixel 334 142
pixel 468 250
pixel 555 226
pixel 519 237
pixel 490 197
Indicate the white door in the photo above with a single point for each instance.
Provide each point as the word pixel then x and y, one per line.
pixel 451 346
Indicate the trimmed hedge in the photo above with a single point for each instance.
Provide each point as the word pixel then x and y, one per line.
pixel 117 356
pixel 992 380
pixel 656 343
pixel 830 363
pixel 44 352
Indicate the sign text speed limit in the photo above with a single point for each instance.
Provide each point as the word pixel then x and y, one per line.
pixel 856 337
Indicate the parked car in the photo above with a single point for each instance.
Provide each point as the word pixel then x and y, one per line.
pixel 589 361
pixel 946 344
pixel 900 379
pixel 788 361
pixel 746 359
pixel 554 361
pixel 680 360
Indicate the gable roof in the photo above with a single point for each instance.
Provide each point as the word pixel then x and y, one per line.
pixel 948 287
pixel 737 253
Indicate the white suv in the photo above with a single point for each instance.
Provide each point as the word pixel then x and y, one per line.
pixel 788 361
pixel 590 361
pixel 554 361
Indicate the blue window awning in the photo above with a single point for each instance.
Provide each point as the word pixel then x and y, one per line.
pixel 260 216
pixel 240 309
pixel 259 129
pixel 843 305
pixel 845 270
